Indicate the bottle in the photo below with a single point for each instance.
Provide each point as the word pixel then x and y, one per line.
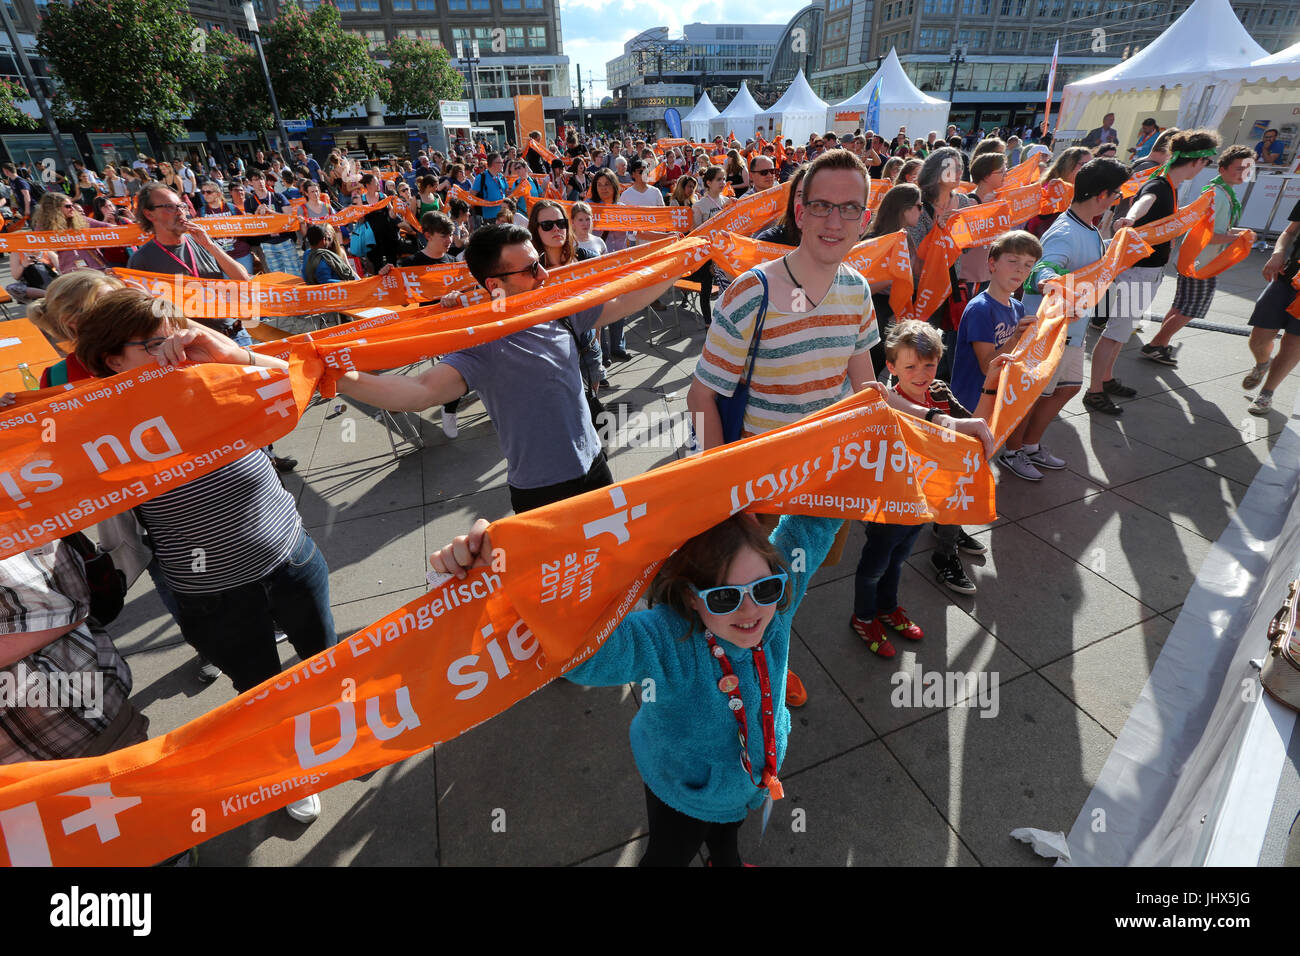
pixel 30 381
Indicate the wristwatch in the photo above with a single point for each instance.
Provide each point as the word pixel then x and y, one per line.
pixel 929 416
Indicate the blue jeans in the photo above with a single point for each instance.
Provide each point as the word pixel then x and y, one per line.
pixel 235 628
pixel 612 338
pixel 165 592
pixel 242 338
pixel 880 567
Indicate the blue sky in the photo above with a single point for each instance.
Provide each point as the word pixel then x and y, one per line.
pixel 595 30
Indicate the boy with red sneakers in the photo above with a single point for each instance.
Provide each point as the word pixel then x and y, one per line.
pixel 912 353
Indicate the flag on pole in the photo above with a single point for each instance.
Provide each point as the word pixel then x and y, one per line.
pixel 873 106
pixel 1051 86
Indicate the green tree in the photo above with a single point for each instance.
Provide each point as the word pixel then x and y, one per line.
pixel 10 114
pixel 420 74
pixel 122 64
pixel 317 68
pixel 229 93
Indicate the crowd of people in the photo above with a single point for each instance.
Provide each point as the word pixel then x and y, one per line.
pixel 822 333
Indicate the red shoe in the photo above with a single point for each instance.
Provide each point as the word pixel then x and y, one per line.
pixel 795 694
pixel 897 620
pixel 874 634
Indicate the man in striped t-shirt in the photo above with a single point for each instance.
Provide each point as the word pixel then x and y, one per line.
pixel 816 342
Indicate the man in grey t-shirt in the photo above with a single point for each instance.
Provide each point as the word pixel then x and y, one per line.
pixel 530 382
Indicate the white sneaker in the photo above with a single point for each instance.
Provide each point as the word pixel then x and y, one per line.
pixel 1045 459
pixel 449 424
pixel 305 810
pixel 1020 464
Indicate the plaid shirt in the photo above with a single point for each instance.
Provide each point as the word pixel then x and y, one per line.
pixel 42 589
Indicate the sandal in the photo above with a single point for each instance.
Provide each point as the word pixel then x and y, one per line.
pixel 1100 402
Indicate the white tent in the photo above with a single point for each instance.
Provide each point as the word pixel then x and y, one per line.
pixel 695 124
pixel 737 118
pixel 1181 78
pixel 798 113
pixel 900 104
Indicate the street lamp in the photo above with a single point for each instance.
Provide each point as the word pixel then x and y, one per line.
pixel 251 17
pixel 469 57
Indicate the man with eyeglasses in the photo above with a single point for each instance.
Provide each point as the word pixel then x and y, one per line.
pixel 818 330
pixel 530 382
pixel 178 246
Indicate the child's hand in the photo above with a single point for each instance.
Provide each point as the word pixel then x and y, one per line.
pixel 7 399
pixel 464 552
pixel 976 428
pixel 877 387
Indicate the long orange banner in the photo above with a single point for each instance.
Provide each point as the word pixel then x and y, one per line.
pixel 563 577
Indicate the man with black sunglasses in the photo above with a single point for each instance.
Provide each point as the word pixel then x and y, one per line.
pixel 530 382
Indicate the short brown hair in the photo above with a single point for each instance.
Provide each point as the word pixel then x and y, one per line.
pixel 121 316
pixel 921 337
pixel 1193 141
pixel 1234 153
pixel 1017 242
pixel 986 164
pixel 836 159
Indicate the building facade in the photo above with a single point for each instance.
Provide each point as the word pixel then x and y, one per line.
pixel 521 51
pixel 1006 46
pixel 712 58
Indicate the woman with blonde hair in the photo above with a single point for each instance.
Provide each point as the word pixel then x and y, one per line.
pixel 67 299
pixel 58 213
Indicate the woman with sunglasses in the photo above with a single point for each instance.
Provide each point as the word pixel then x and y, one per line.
pixel 557 246
pixel 716 644
pixel 58 213
pixel 212 203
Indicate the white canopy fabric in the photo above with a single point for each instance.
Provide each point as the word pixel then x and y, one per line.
pixel 1197 54
pixel 695 124
pixel 797 114
pixel 1283 65
pixel 901 105
pixel 737 118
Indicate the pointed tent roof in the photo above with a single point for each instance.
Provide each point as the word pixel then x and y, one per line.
pixel 702 110
pixel 1283 65
pixel 1207 38
pixel 897 89
pixel 742 105
pixel 798 97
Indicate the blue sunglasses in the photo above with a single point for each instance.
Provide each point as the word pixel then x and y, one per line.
pixel 728 598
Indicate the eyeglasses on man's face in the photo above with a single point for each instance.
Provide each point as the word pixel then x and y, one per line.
pixel 848 211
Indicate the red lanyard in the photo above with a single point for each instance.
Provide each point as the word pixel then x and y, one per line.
pixel 192 270
pixel 730 685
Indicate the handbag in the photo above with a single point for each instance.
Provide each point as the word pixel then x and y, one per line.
pixel 107 584
pixel 731 408
pixel 362 241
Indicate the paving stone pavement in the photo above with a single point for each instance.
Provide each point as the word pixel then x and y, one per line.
pixel 1085 574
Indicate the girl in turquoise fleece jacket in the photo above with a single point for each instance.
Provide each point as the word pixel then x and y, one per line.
pixel 685 741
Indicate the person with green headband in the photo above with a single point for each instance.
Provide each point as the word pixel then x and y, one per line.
pixel 1133 291
pixel 1193 296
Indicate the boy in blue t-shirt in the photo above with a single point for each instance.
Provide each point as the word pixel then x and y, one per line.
pixel 993 321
